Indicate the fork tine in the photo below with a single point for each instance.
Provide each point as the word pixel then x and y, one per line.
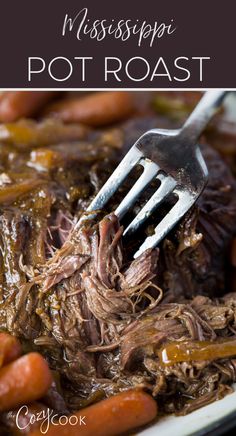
pixel 131 159
pixel 166 187
pixel 115 180
pixel 185 201
pixel 150 171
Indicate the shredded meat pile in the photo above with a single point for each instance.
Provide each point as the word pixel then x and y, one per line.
pixel 76 295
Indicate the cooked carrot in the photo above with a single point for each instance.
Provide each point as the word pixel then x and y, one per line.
pixel 109 417
pixel 18 104
pixel 25 380
pixel 10 348
pixel 95 109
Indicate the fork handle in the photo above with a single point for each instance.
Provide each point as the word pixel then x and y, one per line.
pixel 202 114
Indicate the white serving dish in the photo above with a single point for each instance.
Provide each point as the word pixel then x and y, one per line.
pixel 213 419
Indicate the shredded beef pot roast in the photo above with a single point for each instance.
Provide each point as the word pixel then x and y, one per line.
pixel 77 296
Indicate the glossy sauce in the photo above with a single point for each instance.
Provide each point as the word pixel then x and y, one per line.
pixel 187 351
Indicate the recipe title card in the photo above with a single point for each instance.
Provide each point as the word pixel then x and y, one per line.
pixel 117 44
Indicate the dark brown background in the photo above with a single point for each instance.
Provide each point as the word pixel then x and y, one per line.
pixel 33 28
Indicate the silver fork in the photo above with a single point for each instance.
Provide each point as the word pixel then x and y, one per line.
pixel 174 158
